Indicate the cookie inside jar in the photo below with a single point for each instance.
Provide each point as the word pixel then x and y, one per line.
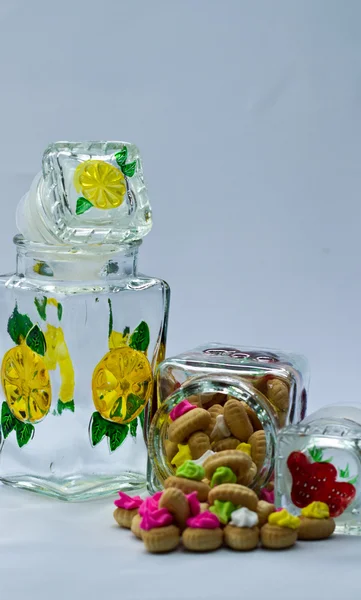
pixel 221 421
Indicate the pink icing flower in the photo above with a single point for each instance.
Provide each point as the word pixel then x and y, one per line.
pixel 193 503
pixel 268 495
pixel 155 518
pixel 181 409
pixel 205 520
pixel 150 503
pixel 128 502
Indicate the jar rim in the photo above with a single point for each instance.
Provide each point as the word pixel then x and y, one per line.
pixel 206 384
pixel 24 245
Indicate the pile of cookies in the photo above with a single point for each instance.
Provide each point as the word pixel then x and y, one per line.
pixel 227 427
pixel 204 516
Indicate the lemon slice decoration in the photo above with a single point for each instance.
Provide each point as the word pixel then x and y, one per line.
pixel 25 379
pixel 26 384
pixel 122 385
pixel 101 184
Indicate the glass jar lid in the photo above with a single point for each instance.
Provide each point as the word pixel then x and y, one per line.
pixel 87 193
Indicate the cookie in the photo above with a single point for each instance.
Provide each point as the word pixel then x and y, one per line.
pixel 241 538
pixel 248 477
pixel 277 538
pixel 161 539
pixel 315 529
pixel 255 422
pixel 135 526
pixel 174 500
pixel 258 445
pixel 188 486
pixel 229 443
pixel 237 461
pixel 171 449
pixel 237 420
pixel 264 509
pixel 213 412
pixel 203 507
pixel 202 540
pixel 239 495
pixel 277 393
pixel 124 517
pixel 182 428
pixel 198 444
pixel 209 400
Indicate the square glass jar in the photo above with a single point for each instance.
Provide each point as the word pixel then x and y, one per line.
pixel 271 384
pixel 271 372
pixel 320 460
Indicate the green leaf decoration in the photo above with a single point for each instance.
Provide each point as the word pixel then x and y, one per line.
pixel 36 340
pixel 140 338
pixel 129 169
pixel 18 326
pixel 98 428
pixel 65 406
pixel 24 432
pixel 133 427
pixel 126 331
pixel 121 156
pixel 60 311
pixel 133 404
pixel 40 304
pixel 116 434
pixel 344 473
pixel 141 419
pixel 353 480
pixel 82 205
pixel 316 454
pixel 328 460
pixel 110 328
pixel 8 421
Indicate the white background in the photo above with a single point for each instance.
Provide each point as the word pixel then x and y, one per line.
pixel 248 116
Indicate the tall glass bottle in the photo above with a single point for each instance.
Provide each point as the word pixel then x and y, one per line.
pixel 81 330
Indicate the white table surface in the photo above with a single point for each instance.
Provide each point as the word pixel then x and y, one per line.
pixel 51 550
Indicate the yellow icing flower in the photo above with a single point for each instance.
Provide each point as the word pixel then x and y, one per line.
pixel 100 183
pixel 182 455
pixel 316 510
pixel 243 447
pixel 283 518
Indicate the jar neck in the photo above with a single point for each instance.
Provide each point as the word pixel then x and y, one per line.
pixel 75 263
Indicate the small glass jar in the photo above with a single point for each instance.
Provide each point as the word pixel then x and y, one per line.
pixel 273 385
pixel 81 331
pixel 282 378
pixel 320 460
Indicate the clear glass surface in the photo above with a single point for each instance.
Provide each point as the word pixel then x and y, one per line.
pixel 81 335
pixel 87 192
pixel 256 366
pixel 330 436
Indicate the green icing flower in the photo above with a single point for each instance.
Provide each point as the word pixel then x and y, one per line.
pixel 223 475
pixel 190 470
pixel 223 510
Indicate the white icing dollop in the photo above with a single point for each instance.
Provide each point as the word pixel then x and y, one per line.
pixel 220 429
pixel 243 517
pixel 204 457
